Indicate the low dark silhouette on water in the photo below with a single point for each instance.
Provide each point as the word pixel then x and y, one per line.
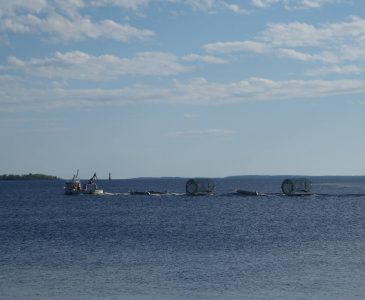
pixel 29 176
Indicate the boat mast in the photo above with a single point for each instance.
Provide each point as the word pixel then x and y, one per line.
pixel 76 177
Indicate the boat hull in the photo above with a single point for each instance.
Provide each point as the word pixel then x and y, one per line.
pixel 83 192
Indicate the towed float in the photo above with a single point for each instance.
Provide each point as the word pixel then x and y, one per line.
pixel 297 187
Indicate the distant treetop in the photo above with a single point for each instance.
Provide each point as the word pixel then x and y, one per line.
pixel 29 176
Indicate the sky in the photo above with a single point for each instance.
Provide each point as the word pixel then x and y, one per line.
pixel 151 88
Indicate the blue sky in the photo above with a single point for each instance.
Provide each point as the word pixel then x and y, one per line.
pixel 182 87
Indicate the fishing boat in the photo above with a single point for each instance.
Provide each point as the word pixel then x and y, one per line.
pixel 75 187
pixel 92 188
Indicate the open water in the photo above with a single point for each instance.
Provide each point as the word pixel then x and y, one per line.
pixel 54 246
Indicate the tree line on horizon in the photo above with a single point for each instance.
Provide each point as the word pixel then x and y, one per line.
pixel 29 176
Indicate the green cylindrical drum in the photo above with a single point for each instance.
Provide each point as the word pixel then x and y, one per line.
pixel 198 186
pixel 296 186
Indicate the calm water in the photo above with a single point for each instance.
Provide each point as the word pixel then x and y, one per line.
pixel 138 247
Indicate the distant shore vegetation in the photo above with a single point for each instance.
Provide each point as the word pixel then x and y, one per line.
pixel 29 176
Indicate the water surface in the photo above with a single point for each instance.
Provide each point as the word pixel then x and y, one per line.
pixel 119 246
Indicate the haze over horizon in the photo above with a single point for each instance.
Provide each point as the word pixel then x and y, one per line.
pixel 185 88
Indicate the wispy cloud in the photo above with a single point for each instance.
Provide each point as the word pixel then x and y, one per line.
pixel 211 6
pixel 329 43
pixel 325 57
pixel 126 4
pixel 62 20
pixel 195 92
pixel 61 27
pixel 204 58
pixel 82 66
pixel 191 116
pixel 298 34
pixel 295 4
pixel 264 3
pixel 234 8
pixel 237 46
pixel 68 7
pixel 200 133
pixel 66 21
pixel 337 69
pixel 12 7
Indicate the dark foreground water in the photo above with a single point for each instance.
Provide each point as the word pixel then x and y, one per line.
pixel 118 246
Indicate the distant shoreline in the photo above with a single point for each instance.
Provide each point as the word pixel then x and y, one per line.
pixel 29 176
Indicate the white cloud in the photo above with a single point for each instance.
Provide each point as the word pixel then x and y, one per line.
pixel 61 19
pixel 326 57
pixel 204 58
pixel 329 43
pixel 296 4
pixel 341 70
pixel 312 3
pixel 344 39
pixel 234 8
pixel 73 29
pixel 237 46
pixel 70 7
pixel 262 48
pixel 195 92
pixel 127 4
pixel 211 6
pixel 304 4
pixel 264 3
pixel 67 7
pixel 354 52
pixel 78 65
pixel 298 34
pixel 290 53
pixel 293 35
pixel 13 6
pixel 306 35
pixel 201 4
